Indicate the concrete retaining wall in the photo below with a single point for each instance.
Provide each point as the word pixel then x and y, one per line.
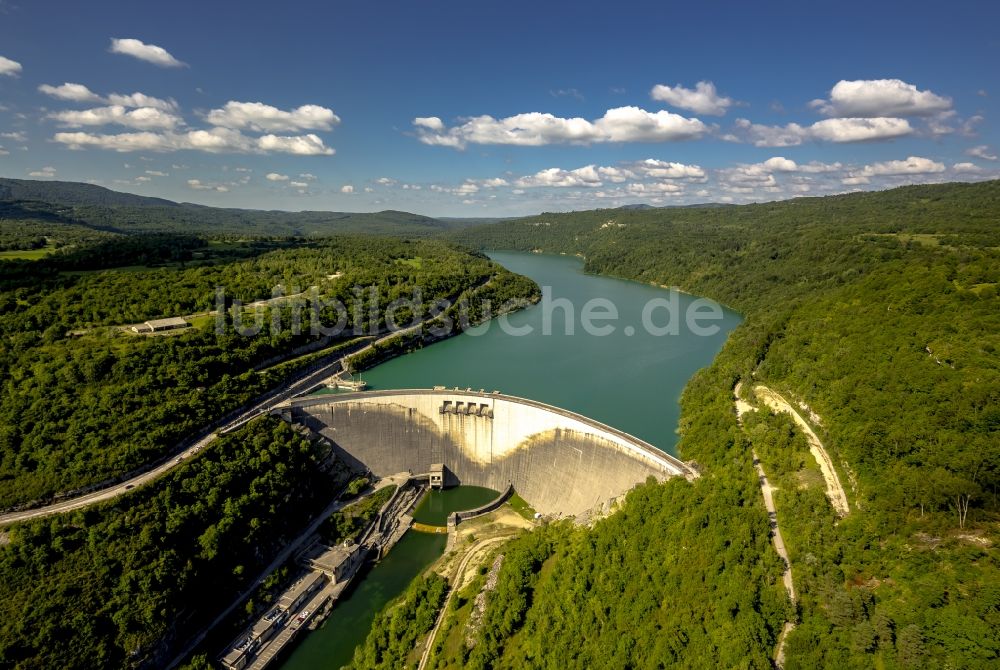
pixel 561 462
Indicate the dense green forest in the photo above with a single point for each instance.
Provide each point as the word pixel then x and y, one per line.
pixel 85 400
pixel 126 582
pixel 879 310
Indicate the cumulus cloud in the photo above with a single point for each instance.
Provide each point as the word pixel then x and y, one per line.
pixel 657 169
pixel 274 176
pixel 80 93
pixel 4 152
pixel 199 185
pixel 859 130
pixel 347 188
pixel 215 140
pixel 982 151
pixel 9 68
pixel 702 99
pixel 145 52
pixel 265 118
pixel 142 100
pixel 69 91
pixel 911 165
pixel 46 172
pixel 142 118
pixel 830 130
pixel 880 97
pixel 298 184
pixel 966 167
pixel 429 122
pixel 621 124
pixel 587 175
pixel 17 136
pixel 656 188
pixel 157 173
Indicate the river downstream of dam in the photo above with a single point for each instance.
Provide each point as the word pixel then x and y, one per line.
pixel 630 379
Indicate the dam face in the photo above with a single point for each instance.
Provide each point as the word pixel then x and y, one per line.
pixel 560 462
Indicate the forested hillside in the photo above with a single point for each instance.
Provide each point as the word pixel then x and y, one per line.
pixel 84 399
pixel 125 583
pixel 66 210
pixel 878 310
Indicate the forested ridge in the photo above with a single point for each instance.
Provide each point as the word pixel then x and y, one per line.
pixel 880 311
pixel 66 211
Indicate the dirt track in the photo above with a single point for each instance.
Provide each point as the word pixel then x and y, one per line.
pixel 834 490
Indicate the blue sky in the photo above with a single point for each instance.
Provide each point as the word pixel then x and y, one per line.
pixel 476 109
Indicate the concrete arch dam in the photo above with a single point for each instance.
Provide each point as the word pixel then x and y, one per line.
pixel 561 462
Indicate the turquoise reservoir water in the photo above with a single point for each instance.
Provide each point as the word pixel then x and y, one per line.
pixel 631 382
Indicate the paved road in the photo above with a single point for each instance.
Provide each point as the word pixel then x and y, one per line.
pixel 296 386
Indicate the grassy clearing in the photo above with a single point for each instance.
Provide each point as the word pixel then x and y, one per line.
pixel 521 506
pixel 26 254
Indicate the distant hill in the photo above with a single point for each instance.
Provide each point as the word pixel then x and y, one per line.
pixel 85 206
pixel 74 193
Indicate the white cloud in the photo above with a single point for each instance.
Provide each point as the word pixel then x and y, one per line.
pixel 982 151
pixel 216 140
pixel 264 118
pixel 142 100
pixel 199 185
pixel 429 122
pixel 69 91
pixel 385 181
pixel 560 178
pixel 347 188
pixel 274 176
pixel 143 118
pixel 17 136
pixel 157 173
pixel 298 184
pixel 301 145
pixel 657 169
pixel 829 130
pixel 912 165
pixel 80 93
pixel 46 172
pixel 657 188
pixel 146 52
pixel 622 124
pixel 307 176
pixel 10 68
pixel 780 164
pixel 142 179
pixel 880 97
pixel 703 99
pixel 966 167
pixel 859 130
pixel 4 152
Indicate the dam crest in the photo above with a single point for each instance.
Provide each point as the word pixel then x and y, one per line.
pixel 562 463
